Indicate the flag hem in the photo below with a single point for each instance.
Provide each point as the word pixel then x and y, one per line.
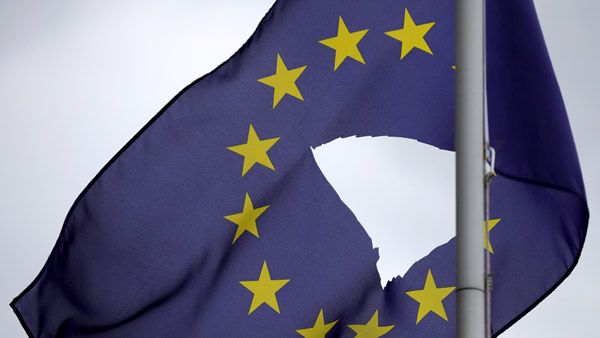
pixel 573 264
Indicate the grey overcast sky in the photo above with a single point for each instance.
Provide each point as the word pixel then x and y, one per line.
pixel 79 78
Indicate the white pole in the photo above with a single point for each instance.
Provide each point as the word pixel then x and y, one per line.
pixel 470 294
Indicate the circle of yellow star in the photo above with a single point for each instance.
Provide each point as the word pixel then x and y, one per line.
pixel 319 330
pixel 264 289
pixel 411 35
pixel 345 44
pixel 246 220
pixel 371 329
pixel 255 151
pixel 283 81
pixel 430 298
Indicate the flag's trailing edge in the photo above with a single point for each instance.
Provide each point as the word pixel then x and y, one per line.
pixel 536 162
pixel 215 220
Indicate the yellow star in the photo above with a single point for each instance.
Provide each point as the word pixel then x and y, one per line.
pixel 493 223
pixel 430 298
pixel 411 35
pixel 345 44
pixel 264 289
pixel 319 330
pixel 255 151
pixel 283 81
pixel 246 220
pixel 371 329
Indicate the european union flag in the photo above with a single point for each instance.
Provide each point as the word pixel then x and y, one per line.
pixel 215 220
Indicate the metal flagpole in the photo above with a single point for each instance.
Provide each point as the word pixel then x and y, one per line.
pixel 469 142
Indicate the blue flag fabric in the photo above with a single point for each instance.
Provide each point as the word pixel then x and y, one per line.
pixel 215 220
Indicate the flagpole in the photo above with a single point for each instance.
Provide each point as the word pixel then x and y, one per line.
pixel 469 142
